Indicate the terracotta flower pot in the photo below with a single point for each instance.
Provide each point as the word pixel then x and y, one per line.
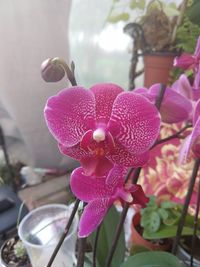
pixel 138 240
pixel 157 67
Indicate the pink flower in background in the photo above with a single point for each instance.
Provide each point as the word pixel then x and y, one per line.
pixel 100 194
pixel 192 141
pixel 175 107
pixel 103 126
pixel 188 61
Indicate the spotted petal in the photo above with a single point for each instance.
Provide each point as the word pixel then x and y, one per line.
pixel 123 157
pixel 174 107
pixel 69 114
pixel 105 95
pixel 74 152
pixel 134 123
pixel 88 188
pixel 93 215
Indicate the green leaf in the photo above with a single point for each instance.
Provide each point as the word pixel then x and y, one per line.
pixel 88 262
pixel 106 235
pixel 168 205
pixel 166 232
pixel 151 222
pixel 164 214
pixel 193 12
pixel 120 17
pixel 137 4
pixel 152 259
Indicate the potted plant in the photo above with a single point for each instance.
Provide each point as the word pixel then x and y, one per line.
pixel 159 32
pixel 158 223
pixel 13 253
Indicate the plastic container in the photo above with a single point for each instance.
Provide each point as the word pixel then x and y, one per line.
pixel 40 232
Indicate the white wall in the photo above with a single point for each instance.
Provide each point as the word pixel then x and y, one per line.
pixel 31 31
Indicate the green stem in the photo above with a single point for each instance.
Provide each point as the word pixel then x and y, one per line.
pixel 185 207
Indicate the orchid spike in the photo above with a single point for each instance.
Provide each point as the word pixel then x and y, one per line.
pixel 189 61
pixel 100 194
pixel 103 126
pixel 175 107
pixel 192 141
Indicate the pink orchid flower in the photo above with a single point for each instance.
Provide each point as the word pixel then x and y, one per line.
pixel 100 194
pixel 188 61
pixel 192 141
pixel 175 106
pixel 103 126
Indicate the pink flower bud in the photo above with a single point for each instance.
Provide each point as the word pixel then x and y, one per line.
pixel 51 70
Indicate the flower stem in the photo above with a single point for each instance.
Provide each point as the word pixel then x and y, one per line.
pixel 160 96
pixel 186 204
pixel 81 251
pixel 195 226
pixel 66 230
pixel 121 222
pixel 69 71
pixel 176 135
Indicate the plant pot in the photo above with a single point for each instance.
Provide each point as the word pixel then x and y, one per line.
pixel 157 67
pixel 8 245
pixel 183 252
pixel 138 240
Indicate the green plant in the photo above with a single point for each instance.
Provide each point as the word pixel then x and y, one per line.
pixel 160 220
pixel 19 249
pixel 165 25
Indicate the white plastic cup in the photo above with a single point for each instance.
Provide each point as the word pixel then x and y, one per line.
pixel 40 231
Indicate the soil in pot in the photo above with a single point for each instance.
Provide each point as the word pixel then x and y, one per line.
pixel 8 257
pixel 186 245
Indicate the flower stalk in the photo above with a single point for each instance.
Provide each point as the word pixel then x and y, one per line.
pixel 66 231
pixel 185 207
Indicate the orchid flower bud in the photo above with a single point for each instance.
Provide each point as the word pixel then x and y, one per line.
pixel 52 70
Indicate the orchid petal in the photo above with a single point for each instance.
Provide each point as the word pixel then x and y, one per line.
pixel 197 49
pixel 116 176
pixel 183 87
pixel 196 115
pixel 185 61
pixel 105 95
pixel 139 196
pixel 134 122
pixel 74 152
pixel 88 188
pixel 122 156
pixel 92 216
pixel 145 92
pixel 185 149
pixel 195 132
pixel 97 166
pixel 196 84
pixel 174 107
pixel 69 114
pixel 189 142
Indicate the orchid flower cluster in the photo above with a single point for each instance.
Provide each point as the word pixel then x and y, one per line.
pixel 109 130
